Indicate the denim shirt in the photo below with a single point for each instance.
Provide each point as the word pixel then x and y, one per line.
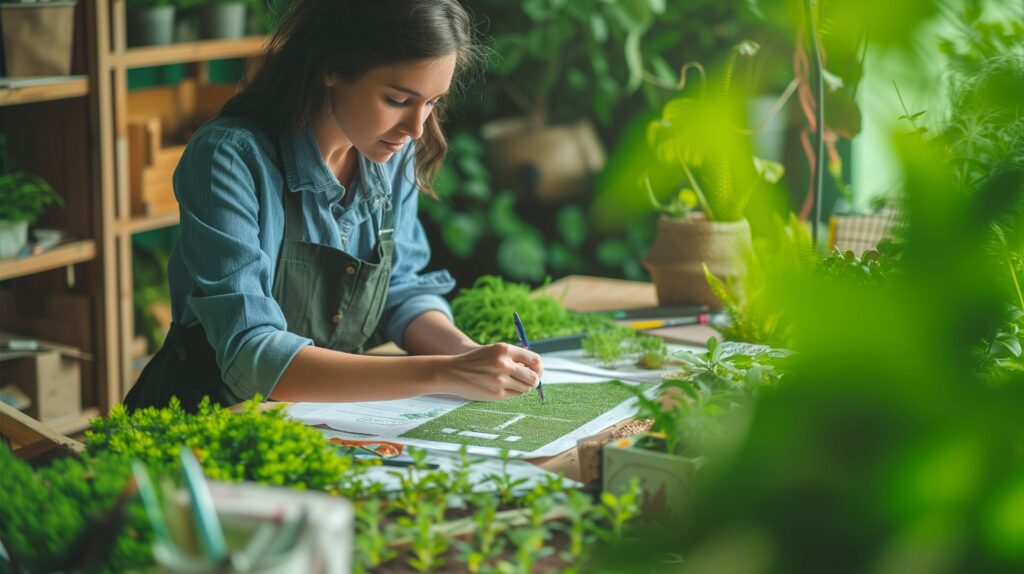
pixel 229 189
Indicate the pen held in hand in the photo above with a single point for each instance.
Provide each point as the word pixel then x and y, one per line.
pixel 526 344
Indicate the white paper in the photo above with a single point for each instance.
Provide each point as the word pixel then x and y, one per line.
pixel 388 420
pixel 479 471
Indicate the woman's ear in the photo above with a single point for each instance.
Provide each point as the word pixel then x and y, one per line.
pixel 330 80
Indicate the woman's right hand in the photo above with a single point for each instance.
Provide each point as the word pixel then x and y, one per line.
pixel 492 372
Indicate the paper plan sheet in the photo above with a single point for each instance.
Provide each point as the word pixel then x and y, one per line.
pixel 480 471
pixel 581 402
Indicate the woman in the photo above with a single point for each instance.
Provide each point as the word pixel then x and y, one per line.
pixel 299 236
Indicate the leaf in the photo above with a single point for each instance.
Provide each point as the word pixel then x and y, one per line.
pixel 598 28
pixel 522 257
pixel 612 252
pixel 572 225
pixel 634 61
pixel 460 234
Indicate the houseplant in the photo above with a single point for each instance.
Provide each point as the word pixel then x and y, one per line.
pixel 697 133
pixel 549 56
pixel 709 395
pixel 23 197
pixel 224 19
pixel 150 22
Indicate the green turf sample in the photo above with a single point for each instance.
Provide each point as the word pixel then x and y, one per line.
pixel 523 423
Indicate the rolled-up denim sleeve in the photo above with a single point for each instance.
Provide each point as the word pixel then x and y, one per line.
pixel 220 244
pixel 411 292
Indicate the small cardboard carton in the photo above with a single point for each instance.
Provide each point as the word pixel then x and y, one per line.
pixel 49 375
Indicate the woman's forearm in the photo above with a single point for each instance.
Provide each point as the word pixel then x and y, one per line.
pixel 321 375
pixel 431 333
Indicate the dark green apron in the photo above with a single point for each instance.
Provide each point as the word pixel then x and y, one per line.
pixel 327 295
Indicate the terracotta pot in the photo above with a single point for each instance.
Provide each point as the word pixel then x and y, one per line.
pixel 553 163
pixel 681 249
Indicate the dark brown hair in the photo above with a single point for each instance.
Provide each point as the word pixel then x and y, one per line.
pixel 285 92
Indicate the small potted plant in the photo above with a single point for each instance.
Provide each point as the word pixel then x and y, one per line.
pixel 551 56
pixel 150 22
pixel 689 419
pixel 23 197
pixel 705 225
pixel 223 19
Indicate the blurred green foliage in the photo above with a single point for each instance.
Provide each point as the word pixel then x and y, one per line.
pixel 887 447
pixel 477 230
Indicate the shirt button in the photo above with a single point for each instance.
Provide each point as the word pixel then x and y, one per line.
pixel 336 318
pixel 350 270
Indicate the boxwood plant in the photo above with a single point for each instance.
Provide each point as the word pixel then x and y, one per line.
pixel 436 520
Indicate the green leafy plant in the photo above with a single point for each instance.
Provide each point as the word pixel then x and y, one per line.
pixel 573 49
pixel 23 196
pixel 613 344
pixel 372 545
pixel 620 509
pixel 254 444
pixel 484 312
pixel 690 133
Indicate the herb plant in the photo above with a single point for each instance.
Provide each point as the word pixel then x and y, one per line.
pixel 484 312
pixel 23 196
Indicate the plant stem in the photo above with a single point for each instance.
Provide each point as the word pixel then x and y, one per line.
pixel 819 129
pixel 1016 283
pixel 696 188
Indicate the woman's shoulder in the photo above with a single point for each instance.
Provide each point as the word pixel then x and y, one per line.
pixel 229 133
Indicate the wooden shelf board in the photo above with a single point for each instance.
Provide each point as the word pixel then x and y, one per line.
pixel 148 223
pixel 75 424
pixel 73 87
pixel 200 51
pixel 55 258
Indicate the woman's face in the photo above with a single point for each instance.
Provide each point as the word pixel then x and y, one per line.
pixel 385 108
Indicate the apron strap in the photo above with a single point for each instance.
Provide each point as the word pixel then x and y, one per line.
pixel 292 215
pixel 387 226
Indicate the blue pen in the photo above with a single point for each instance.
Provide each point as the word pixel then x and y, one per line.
pixel 522 338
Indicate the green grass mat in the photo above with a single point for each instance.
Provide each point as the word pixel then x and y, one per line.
pixel 523 423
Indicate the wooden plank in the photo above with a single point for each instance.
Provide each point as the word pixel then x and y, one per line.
pixel 108 324
pixel 73 87
pixel 148 223
pixel 35 438
pixel 76 424
pixel 61 256
pixel 201 51
pixel 585 293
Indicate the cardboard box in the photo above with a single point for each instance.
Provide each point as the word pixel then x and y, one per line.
pixel 52 381
pixel 51 377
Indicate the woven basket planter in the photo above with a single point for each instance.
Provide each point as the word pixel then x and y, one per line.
pixel 681 249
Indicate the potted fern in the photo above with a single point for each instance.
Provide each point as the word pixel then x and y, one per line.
pixel 705 225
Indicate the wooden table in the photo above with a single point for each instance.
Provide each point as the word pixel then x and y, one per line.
pixel 584 293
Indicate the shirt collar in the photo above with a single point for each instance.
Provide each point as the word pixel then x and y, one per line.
pixel 306 170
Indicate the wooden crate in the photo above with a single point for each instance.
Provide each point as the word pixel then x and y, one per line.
pixel 160 122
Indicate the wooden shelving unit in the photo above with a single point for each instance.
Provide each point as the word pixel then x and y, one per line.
pixel 142 224
pixel 73 132
pixel 70 87
pixel 52 127
pixel 202 51
pixel 55 258
pixel 115 59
